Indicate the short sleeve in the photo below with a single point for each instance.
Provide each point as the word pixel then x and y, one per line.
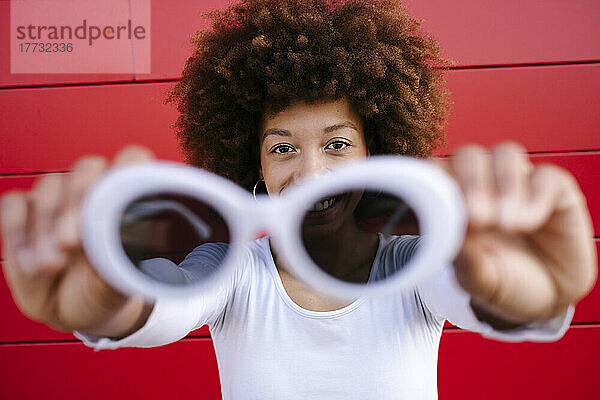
pixel 172 319
pixel 445 299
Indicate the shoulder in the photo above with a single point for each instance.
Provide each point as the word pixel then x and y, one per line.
pixel 394 252
pixel 208 257
pixel 219 250
pixel 207 253
pixel 259 248
pixel 398 247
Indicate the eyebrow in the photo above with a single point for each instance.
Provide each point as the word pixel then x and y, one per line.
pixel 275 131
pixel 345 124
pixel 329 129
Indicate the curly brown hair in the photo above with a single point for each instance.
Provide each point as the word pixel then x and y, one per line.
pixel 262 55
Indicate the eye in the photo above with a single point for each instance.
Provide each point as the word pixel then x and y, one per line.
pixel 282 149
pixel 338 145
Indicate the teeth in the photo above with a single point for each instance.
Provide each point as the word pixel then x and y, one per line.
pixel 323 205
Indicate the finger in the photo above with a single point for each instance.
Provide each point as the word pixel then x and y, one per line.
pixel 20 264
pixel 559 216
pixel 511 168
pixel 13 222
pixel 472 168
pixel 26 275
pixel 85 172
pixel 475 268
pixel 553 191
pixel 46 201
pixel 133 154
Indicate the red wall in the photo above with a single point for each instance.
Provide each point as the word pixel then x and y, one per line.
pixel 525 70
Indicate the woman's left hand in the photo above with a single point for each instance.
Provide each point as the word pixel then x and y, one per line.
pixel 529 251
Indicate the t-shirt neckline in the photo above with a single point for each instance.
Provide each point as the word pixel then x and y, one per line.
pixel 310 313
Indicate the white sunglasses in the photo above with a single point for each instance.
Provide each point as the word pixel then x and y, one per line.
pixel 153 214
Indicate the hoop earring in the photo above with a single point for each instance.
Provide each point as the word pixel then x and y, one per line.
pixel 255 186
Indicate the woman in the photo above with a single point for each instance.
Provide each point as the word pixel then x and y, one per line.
pixel 281 91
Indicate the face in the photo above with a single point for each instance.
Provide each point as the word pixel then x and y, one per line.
pixel 305 140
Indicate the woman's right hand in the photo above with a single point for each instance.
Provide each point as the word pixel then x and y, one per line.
pixel 50 277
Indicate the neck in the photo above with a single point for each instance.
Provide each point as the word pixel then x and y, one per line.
pixel 347 254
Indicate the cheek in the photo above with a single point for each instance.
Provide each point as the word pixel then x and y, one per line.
pixel 265 169
pixel 270 186
pixel 276 173
pixel 272 177
pixel 364 151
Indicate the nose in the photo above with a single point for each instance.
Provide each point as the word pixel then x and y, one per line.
pixel 312 164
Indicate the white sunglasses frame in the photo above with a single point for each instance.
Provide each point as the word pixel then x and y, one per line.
pixel 433 195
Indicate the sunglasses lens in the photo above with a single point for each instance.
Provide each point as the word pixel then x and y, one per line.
pixel 342 233
pixel 174 239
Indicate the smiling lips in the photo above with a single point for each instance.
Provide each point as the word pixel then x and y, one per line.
pixel 325 204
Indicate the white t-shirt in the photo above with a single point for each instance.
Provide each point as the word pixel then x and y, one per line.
pixel 268 347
